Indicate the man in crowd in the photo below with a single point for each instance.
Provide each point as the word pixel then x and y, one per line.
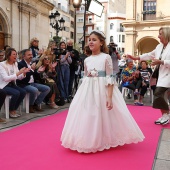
pixel 37 91
pixel 73 66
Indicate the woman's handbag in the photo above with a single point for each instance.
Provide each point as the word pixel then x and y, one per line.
pixel 155 73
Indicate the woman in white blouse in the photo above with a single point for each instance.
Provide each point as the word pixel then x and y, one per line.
pixel 8 74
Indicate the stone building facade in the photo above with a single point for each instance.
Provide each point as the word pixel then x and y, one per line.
pixel 143 20
pixel 21 20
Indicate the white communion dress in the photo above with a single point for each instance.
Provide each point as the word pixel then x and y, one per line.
pixel 90 126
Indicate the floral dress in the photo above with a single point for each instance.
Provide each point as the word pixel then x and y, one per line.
pixel 90 126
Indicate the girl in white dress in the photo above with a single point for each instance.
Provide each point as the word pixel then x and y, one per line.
pixel 98 117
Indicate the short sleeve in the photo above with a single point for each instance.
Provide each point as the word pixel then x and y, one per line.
pixel 110 78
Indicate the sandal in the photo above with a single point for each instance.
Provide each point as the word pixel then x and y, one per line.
pixel 53 106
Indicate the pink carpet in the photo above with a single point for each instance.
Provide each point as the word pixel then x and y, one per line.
pixel 36 146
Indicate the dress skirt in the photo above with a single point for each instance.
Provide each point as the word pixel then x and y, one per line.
pixel 91 127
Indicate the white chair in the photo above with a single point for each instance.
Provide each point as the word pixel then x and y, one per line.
pixel 125 91
pixel 25 105
pixel 151 94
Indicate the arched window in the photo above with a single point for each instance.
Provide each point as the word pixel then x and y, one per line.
pixel 111 26
pixel 111 38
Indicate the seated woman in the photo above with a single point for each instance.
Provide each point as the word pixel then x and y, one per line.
pixel 145 74
pixel 47 77
pixel 8 75
pixel 132 79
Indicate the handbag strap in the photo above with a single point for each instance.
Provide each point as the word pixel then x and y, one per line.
pixel 161 54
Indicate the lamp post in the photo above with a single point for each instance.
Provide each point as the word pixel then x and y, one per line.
pixel 56 23
pixel 77 4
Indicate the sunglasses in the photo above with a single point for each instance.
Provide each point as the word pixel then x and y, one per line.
pixel 46 58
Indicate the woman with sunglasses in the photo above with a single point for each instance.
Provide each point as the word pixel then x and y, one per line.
pixel 48 77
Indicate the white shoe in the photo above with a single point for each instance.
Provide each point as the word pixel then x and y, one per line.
pixel 158 122
pixel 165 119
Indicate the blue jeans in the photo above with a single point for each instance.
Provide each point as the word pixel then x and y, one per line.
pixel 63 80
pixel 34 89
pixel 17 94
pixel 72 78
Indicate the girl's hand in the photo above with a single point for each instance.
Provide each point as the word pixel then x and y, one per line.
pixel 109 103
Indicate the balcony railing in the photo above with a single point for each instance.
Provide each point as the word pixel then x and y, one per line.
pixel 149 12
pixel 89 22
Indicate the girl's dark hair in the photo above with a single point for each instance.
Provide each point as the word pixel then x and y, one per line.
pixel 104 47
pixel 8 52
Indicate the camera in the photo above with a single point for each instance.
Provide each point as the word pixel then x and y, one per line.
pixel 58 52
pixel 112 47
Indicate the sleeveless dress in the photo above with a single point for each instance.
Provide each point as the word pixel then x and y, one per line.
pixel 90 126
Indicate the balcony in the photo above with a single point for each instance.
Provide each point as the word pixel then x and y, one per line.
pixel 149 15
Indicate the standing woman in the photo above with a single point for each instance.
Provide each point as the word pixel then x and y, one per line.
pixel 50 51
pixel 160 57
pixel 8 75
pixel 63 71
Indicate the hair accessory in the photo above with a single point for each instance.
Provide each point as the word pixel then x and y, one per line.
pixel 99 32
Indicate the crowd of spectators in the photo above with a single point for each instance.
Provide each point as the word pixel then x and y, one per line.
pixel 49 75
pixel 46 75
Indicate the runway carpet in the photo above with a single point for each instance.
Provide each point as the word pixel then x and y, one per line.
pixel 36 146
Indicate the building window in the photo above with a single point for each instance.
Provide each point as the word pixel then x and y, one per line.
pixel 72 24
pixel 121 27
pixel 71 35
pixel 119 38
pixel 111 38
pixel 79 30
pixel 149 9
pixel 67 29
pixel 80 19
pixel 99 28
pixel 66 18
pixel 111 26
pixel 123 38
pixel 123 50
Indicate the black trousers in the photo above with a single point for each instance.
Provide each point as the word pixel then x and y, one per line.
pixel 135 85
pixel 159 99
pixel 2 97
